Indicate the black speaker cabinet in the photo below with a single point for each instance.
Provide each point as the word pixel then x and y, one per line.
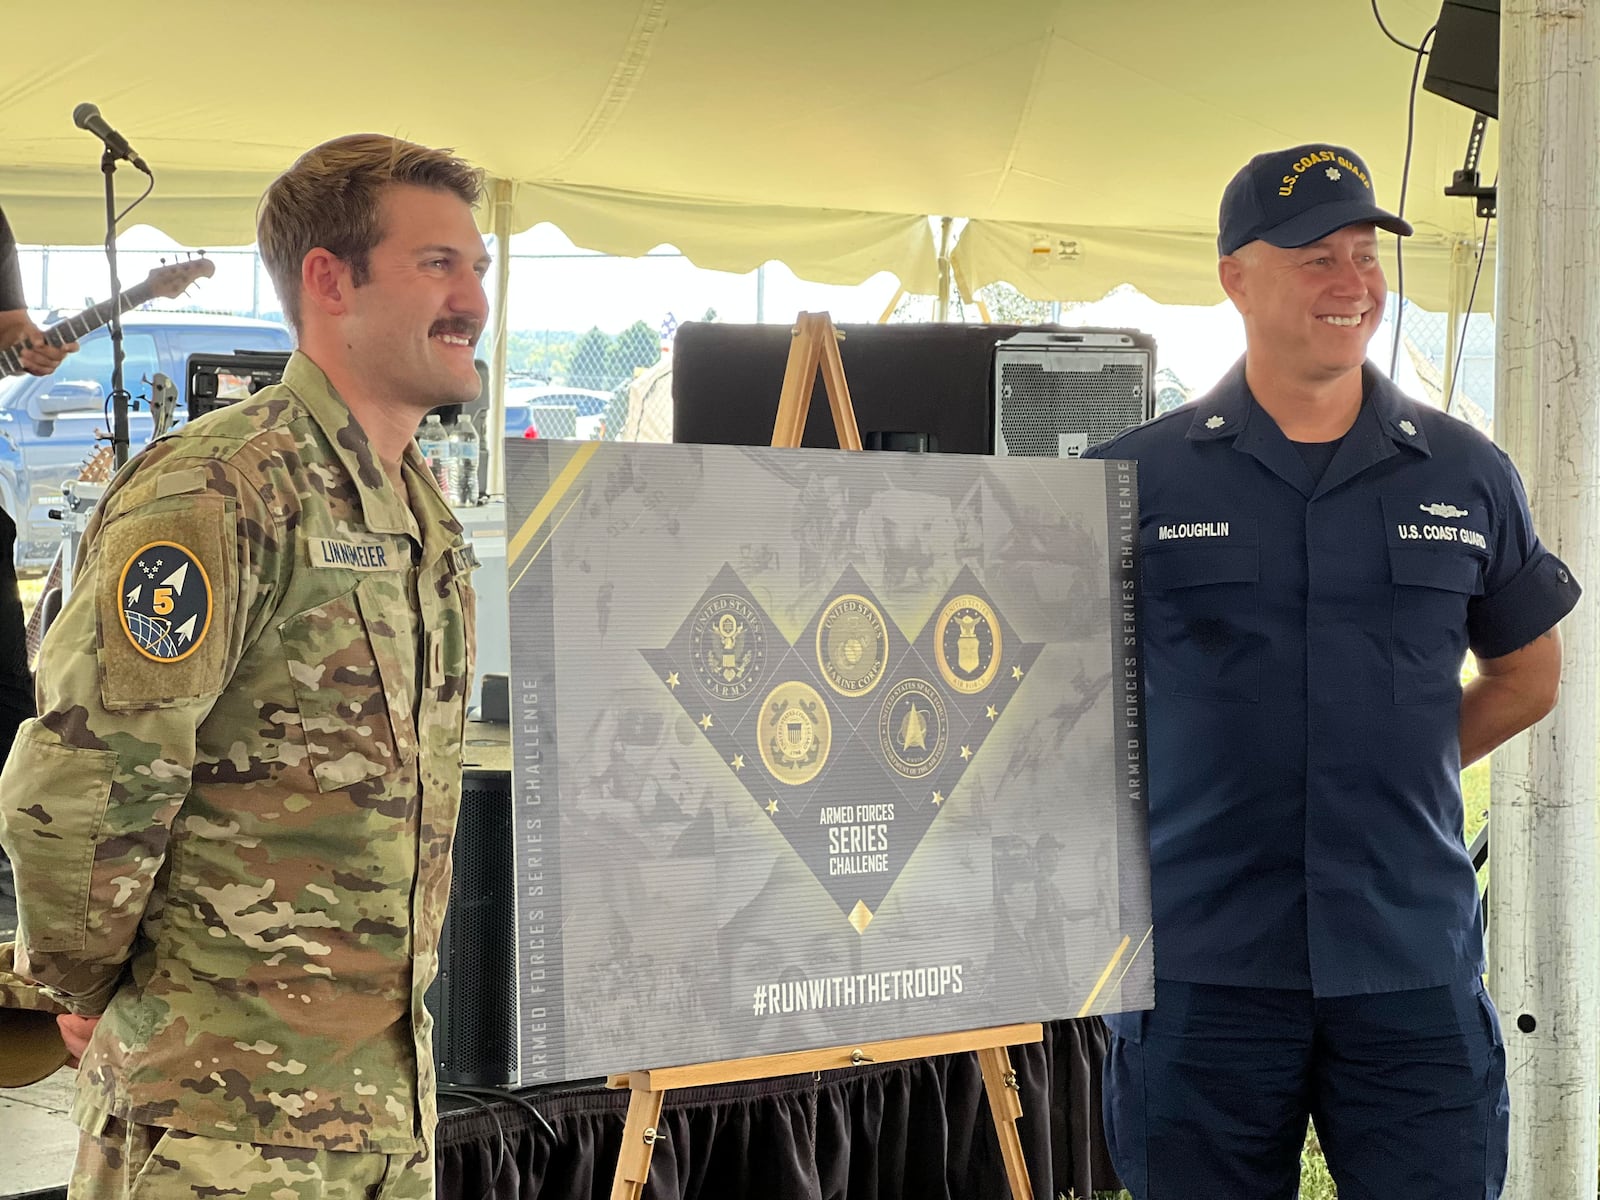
pixel 933 379
pixel 1059 391
pixel 473 1000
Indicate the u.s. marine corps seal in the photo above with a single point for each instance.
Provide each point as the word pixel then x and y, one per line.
pixel 966 644
pixel 796 732
pixel 729 644
pixel 166 601
pixel 852 647
pixel 913 728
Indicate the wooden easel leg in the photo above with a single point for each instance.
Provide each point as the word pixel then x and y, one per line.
pixel 639 1136
pixel 799 376
pixel 1000 1082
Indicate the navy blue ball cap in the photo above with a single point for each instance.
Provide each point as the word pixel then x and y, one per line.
pixel 1297 196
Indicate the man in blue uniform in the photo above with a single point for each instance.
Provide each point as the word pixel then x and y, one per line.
pixel 1319 552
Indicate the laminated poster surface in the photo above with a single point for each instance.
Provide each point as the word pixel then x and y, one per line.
pixel 813 748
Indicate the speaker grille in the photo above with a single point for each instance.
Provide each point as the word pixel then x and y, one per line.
pixel 474 998
pixel 1038 406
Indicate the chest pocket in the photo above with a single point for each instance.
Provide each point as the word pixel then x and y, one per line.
pixel 1436 565
pixel 352 685
pixel 1202 610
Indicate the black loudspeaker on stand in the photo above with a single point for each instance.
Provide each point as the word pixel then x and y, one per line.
pixel 473 1000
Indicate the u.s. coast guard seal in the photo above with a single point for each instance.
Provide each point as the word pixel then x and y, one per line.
pixel 796 732
pixel 166 601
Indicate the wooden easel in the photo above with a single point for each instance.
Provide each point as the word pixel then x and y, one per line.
pixel 816 345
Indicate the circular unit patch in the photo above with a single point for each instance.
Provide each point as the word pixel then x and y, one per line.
pixel 166 602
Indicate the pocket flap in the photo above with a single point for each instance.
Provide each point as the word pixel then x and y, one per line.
pixel 1200 566
pixel 1450 569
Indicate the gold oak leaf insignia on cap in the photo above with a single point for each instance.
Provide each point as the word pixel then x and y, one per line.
pixel 166 601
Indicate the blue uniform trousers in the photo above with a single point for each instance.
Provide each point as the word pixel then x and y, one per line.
pixel 1207 1095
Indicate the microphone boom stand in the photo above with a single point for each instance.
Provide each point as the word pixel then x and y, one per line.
pixel 119 394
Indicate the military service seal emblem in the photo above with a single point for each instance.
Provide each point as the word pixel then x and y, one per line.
pixel 796 733
pixel 912 728
pixel 967 644
pixel 730 647
pixel 852 646
pixel 166 602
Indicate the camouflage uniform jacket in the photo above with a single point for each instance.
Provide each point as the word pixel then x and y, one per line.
pixel 232 819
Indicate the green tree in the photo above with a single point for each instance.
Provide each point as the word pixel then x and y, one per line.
pixel 636 346
pixel 588 366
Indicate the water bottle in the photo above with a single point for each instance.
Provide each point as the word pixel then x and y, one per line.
pixel 433 440
pixel 463 463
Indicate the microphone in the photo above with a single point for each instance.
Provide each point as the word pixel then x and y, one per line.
pixel 87 116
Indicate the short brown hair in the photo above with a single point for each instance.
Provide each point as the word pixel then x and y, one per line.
pixel 329 198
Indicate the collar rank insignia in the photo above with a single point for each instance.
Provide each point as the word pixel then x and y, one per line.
pixel 166 602
pixel 1408 428
pixel 1215 422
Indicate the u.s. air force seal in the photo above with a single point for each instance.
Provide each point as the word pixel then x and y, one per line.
pixel 730 647
pixel 852 648
pixel 967 644
pixel 796 733
pixel 912 728
pixel 166 602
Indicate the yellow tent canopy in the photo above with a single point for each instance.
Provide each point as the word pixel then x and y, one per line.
pixel 823 135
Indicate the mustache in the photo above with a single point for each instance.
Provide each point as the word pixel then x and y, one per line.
pixel 460 326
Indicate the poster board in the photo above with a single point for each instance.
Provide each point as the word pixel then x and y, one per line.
pixel 812 748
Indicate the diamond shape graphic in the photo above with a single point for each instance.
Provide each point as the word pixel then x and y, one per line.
pixel 851 741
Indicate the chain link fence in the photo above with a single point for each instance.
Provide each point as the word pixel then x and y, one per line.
pixel 577 370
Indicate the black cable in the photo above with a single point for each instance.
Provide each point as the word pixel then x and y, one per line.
pixel 149 186
pixel 1390 36
pixel 500 1149
pixel 497 1094
pixel 1466 320
pixel 1405 180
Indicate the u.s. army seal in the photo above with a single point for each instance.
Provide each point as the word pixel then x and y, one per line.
pixel 967 644
pixel 729 646
pixel 796 732
pixel 912 728
pixel 852 647
pixel 166 601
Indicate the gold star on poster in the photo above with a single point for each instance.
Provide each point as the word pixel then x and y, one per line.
pixel 705 721
pixel 991 712
pixel 938 798
pixel 1016 672
pixel 737 762
pixel 966 753
pixel 772 807
pixel 672 679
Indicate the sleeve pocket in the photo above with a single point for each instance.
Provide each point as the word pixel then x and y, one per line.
pixel 54 842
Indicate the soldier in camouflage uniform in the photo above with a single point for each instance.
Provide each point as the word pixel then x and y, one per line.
pixel 232 819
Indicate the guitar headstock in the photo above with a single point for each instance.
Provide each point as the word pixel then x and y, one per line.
pixel 170 281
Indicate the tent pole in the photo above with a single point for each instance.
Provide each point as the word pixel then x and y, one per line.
pixel 941 308
pixel 1544 918
pixel 500 219
pixel 1461 262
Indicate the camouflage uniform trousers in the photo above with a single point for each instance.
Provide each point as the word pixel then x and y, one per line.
pixel 146 1162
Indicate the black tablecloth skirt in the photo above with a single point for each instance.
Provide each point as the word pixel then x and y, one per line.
pixel 918 1130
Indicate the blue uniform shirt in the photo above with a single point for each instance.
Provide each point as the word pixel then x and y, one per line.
pixel 1303 642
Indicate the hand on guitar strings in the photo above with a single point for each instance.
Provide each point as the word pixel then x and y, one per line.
pixel 39 357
